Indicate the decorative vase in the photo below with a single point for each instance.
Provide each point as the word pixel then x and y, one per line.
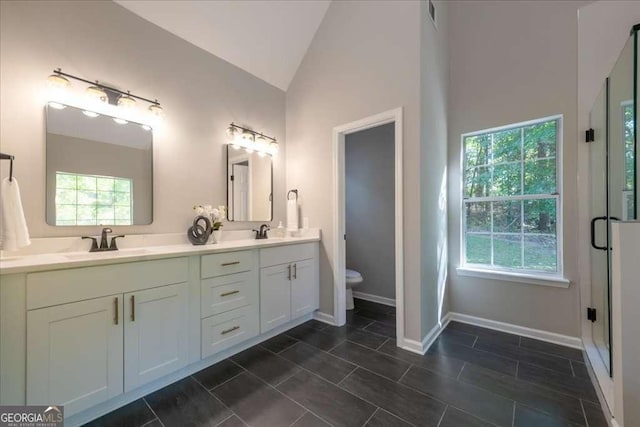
pixel 216 236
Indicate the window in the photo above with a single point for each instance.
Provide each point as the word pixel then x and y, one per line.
pixel 511 201
pixel 93 200
pixel 629 181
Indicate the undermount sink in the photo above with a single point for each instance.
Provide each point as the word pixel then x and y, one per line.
pixel 107 254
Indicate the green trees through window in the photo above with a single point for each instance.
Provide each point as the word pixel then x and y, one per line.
pixel 511 198
pixel 93 200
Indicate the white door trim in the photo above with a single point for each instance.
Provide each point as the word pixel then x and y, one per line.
pixel 339 252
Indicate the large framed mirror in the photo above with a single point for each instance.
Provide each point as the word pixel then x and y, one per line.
pixel 99 169
pixel 249 186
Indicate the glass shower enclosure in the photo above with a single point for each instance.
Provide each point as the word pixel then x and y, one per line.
pixel 614 177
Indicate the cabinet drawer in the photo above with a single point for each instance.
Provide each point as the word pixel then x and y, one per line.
pixel 227 263
pixel 228 329
pixel 62 286
pixel 221 294
pixel 286 254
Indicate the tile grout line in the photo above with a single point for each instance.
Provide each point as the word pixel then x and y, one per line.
pixel 573 372
pixel 405 373
pixel 216 397
pixel 517 368
pixel 151 421
pixel 475 341
pixel 225 381
pixel 288 376
pixel 461 369
pixel 513 416
pixel 332 348
pixel 383 343
pixel 300 417
pixel 348 375
pixel 371 416
pixel 446 407
pixel 231 415
pixel 152 411
pixel 584 414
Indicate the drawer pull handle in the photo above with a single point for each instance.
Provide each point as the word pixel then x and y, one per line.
pixel 289 274
pixel 115 315
pixel 226 331
pixel 295 271
pixel 133 308
pixel 226 264
pixel 226 294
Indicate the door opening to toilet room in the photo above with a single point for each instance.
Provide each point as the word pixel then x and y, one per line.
pixel 370 215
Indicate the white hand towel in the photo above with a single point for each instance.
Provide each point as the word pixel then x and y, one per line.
pixel 15 234
pixel 292 214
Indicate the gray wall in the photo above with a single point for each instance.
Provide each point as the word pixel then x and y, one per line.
pixel 201 95
pixel 511 62
pixel 366 58
pixel 369 210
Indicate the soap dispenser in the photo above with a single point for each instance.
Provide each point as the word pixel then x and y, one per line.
pixel 280 231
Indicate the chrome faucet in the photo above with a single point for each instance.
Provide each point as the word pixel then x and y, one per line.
pixel 262 232
pixel 104 241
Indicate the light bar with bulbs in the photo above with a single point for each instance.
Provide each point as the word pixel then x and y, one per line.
pixel 100 94
pixel 251 141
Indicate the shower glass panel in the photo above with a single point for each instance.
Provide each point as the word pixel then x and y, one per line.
pixel 613 180
pixel 599 235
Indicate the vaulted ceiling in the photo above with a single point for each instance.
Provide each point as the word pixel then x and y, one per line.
pixel 265 38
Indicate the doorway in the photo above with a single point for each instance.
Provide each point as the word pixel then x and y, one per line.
pixel 339 230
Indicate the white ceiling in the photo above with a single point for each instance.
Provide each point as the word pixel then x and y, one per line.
pixel 265 38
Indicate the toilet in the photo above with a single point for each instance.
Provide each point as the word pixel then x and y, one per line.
pixel 352 279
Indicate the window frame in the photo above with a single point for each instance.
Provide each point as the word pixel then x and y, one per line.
pixel 552 278
pixel 96 205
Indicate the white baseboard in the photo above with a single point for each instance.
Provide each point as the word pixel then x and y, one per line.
pixel 324 317
pixel 538 334
pixel 422 347
pixel 374 298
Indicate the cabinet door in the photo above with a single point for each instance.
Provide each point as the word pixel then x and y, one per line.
pixel 155 334
pixel 275 296
pixel 74 353
pixel 304 288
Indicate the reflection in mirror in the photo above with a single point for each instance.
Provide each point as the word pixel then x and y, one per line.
pixel 99 169
pixel 249 186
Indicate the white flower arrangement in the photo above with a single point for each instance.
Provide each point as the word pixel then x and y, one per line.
pixel 217 215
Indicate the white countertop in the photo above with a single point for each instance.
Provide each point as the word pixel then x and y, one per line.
pixel 19 263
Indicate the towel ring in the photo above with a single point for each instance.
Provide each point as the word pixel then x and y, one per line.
pixel 294 192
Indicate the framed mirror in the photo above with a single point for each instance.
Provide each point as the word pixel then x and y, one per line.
pixel 249 186
pixel 99 169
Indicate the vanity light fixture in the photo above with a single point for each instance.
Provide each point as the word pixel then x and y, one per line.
pixel 251 141
pixel 103 93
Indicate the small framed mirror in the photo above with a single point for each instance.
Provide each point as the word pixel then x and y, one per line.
pixel 99 169
pixel 249 186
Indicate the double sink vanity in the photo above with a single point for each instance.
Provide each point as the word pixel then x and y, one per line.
pixel 94 331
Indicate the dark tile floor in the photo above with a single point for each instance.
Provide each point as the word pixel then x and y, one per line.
pixel 321 375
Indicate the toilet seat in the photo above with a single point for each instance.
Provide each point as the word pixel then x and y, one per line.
pixel 352 276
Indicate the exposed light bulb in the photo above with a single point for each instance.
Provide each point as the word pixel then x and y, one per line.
pixel 231 132
pixel 273 147
pixel 235 146
pixel 146 127
pixel 91 114
pixel 126 102
pixel 261 153
pixel 96 93
pixel 57 105
pixel 248 150
pixel 58 82
pixel 156 110
pixel 120 121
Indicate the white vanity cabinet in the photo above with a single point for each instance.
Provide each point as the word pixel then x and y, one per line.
pixel 289 283
pixel 80 353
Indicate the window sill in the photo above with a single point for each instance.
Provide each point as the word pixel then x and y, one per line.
pixel 531 279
